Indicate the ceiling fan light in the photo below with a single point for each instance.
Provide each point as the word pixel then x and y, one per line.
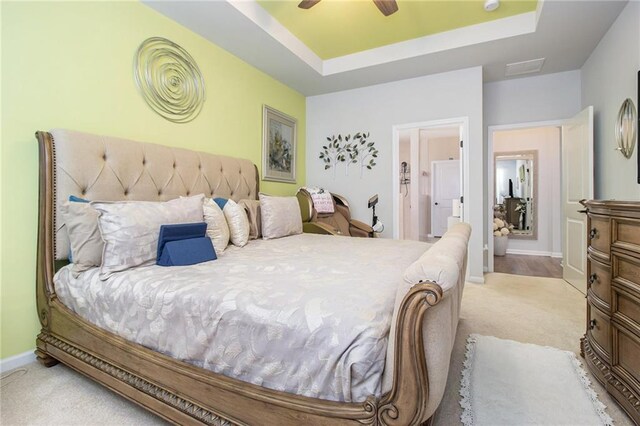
pixel 491 5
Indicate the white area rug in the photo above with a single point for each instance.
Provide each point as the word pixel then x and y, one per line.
pixel 511 383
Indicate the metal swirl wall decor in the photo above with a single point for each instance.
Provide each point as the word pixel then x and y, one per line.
pixel 169 80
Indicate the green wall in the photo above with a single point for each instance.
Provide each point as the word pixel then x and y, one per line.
pixel 70 65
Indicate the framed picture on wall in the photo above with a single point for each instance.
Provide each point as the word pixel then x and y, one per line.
pixel 279 141
pixel 638 127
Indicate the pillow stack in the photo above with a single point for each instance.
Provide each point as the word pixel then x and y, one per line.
pixel 123 234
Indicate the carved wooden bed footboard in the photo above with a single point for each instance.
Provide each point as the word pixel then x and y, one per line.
pixel 185 394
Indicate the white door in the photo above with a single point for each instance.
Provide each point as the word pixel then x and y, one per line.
pixel 445 187
pixel 577 184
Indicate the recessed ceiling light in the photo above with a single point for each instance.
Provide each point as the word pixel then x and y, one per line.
pixel 491 5
pixel 525 67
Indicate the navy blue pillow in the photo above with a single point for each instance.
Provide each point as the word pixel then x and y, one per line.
pixel 184 244
pixel 187 252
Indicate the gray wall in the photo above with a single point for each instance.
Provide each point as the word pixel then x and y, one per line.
pixel 376 109
pixel 529 99
pixel 609 76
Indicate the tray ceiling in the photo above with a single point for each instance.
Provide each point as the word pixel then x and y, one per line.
pixel 564 32
pixel 335 28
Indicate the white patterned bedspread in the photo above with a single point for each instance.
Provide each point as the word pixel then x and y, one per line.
pixel 305 314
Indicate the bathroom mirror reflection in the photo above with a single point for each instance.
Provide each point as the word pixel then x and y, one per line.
pixel 515 177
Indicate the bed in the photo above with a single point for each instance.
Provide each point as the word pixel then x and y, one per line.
pixel 391 371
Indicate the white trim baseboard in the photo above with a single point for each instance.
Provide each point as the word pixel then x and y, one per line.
pixel 476 280
pixel 534 253
pixel 16 361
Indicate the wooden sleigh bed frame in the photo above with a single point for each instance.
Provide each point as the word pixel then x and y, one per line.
pixel 185 394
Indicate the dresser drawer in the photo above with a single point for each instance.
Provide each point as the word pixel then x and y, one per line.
pixel 626 309
pixel 599 331
pixel 626 234
pixel 599 235
pixel 599 281
pixel 625 270
pixel 626 358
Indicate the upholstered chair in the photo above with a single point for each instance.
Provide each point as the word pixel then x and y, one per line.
pixel 337 223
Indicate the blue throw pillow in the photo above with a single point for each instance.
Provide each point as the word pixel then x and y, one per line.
pixel 187 252
pixel 221 202
pixel 184 244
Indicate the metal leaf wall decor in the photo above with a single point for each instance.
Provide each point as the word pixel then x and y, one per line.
pixel 357 151
pixel 169 80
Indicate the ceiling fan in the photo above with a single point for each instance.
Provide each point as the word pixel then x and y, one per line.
pixel 387 7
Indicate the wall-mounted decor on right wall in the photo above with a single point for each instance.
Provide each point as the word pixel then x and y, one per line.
pixel 638 103
pixel 626 128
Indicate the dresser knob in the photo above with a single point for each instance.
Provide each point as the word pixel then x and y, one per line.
pixel 593 233
pixel 593 278
pixel 592 324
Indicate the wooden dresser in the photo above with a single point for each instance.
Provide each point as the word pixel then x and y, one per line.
pixel 611 345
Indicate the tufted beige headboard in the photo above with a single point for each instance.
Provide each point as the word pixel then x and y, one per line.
pixel 107 168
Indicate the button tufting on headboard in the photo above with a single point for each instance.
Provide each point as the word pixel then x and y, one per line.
pixel 139 171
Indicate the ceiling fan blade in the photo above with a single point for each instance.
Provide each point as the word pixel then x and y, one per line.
pixel 387 7
pixel 308 4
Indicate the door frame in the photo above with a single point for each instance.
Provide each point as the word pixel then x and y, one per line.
pixel 491 130
pixel 463 123
pixel 432 180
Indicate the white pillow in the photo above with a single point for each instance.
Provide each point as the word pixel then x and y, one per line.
pixel 217 228
pixel 280 216
pixel 85 242
pixel 237 221
pixel 130 229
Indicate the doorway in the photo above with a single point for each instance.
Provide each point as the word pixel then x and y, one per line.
pixel 429 183
pixel 525 198
pixel 573 183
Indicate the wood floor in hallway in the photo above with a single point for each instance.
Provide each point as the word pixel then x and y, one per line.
pixel 533 266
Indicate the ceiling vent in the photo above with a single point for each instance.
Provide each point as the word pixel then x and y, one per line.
pixel 525 67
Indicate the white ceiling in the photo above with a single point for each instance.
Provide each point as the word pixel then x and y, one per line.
pixel 566 34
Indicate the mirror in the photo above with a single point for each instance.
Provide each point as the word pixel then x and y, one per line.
pixel 515 189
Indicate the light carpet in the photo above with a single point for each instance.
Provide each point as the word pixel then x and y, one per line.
pixel 507 383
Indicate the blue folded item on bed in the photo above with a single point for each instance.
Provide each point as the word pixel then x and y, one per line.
pixel 184 244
